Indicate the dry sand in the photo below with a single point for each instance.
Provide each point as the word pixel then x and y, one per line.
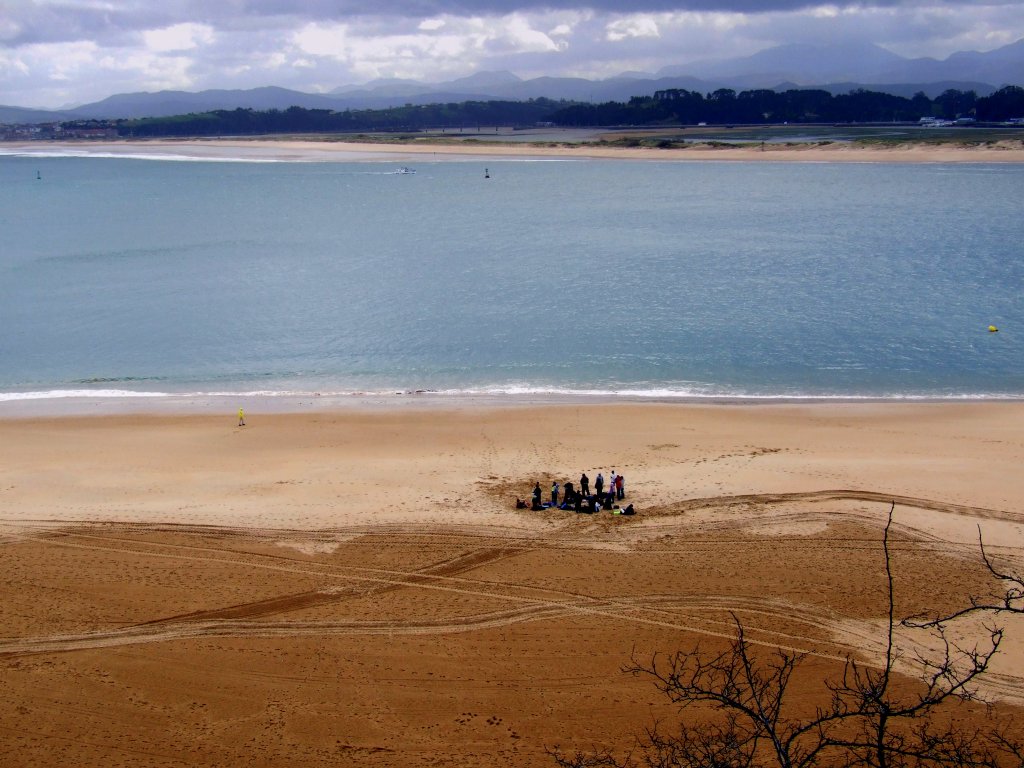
pixel 1008 151
pixel 356 588
pixel 838 152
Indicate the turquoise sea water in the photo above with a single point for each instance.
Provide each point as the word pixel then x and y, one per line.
pixel 123 276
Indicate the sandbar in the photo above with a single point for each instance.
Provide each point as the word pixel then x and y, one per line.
pixel 307 150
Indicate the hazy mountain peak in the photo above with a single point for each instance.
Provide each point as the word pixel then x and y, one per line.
pixel 485 79
pixel 378 83
pixel 802 63
pixel 633 74
pixel 834 67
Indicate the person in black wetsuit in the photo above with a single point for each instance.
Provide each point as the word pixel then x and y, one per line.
pixel 568 495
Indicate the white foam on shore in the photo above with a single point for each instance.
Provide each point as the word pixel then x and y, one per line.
pixel 708 394
pixel 170 156
pixel 264 154
pixel 523 392
pixel 56 394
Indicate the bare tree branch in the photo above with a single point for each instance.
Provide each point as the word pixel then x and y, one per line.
pixel 1010 601
pixel 744 713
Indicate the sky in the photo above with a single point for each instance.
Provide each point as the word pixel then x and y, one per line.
pixel 58 53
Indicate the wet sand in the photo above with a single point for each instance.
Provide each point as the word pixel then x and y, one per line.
pixel 356 587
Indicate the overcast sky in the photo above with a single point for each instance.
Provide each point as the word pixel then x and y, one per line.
pixel 57 53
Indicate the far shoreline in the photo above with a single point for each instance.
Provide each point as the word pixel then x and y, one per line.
pixel 422 402
pixel 290 149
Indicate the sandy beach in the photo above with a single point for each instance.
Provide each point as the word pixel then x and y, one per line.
pixel 544 147
pixel 355 586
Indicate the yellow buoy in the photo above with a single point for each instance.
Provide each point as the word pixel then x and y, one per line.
pixel 992 329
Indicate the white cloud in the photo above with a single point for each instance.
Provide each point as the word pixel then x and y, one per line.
pixel 824 12
pixel 59 51
pixel 12 65
pixel 517 32
pixel 321 39
pixel 154 72
pixel 443 48
pixel 279 59
pixel 60 63
pixel 632 26
pixel 178 37
pixel 56 74
pixel 717 22
pixel 369 54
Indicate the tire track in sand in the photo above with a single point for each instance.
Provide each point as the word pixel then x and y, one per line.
pixel 237 620
pixel 315 598
pixel 844 638
pixel 711 609
pixel 162 631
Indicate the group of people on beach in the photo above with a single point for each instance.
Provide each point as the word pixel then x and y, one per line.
pixel 582 500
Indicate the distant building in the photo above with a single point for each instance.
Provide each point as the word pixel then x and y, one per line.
pixel 49 131
pixel 94 132
pixel 28 131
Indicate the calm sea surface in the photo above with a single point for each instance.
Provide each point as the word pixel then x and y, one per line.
pixel 129 276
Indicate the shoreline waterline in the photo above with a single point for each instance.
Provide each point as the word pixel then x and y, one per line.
pixel 57 404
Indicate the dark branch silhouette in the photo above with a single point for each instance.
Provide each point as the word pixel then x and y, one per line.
pixel 746 716
pixel 1010 601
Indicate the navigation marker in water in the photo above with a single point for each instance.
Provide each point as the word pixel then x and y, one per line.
pixel 993 329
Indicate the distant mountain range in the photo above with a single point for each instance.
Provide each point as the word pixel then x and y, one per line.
pixel 836 68
pixel 862 63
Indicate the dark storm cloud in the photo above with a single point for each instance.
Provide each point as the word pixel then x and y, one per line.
pixel 421 8
pixel 67 20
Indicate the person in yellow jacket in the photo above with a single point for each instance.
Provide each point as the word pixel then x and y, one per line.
pixel 241 417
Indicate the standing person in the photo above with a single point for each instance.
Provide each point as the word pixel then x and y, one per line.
pixel 585 484
pixel 536 496
pixel 599 485
pixel 554 494
pixel 568 495
pixel 620 487
pixel 241 417
pixel 611 482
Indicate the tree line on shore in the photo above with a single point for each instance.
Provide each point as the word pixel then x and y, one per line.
pixel 796 106
pixel 667 107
